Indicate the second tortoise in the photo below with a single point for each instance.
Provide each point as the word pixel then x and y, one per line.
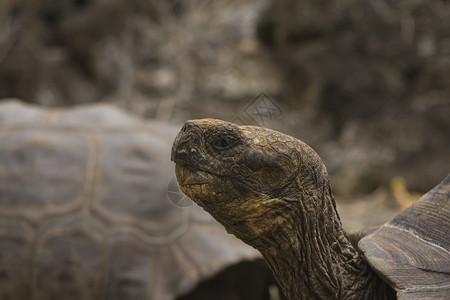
pixel 84 213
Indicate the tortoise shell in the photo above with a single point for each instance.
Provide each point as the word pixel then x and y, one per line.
pixel 84 211
pixel 412 251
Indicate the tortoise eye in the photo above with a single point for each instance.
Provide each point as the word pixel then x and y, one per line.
pixel 224 143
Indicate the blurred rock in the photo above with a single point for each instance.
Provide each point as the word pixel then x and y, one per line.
pixel 150 57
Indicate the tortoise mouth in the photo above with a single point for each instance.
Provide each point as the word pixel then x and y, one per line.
pixel 189 175
pixel 197 184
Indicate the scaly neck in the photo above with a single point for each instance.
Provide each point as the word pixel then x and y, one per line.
pixel 312 257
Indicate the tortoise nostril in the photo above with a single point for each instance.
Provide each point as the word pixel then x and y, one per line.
pixel 186 127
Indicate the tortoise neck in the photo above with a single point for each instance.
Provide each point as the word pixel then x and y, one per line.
pixel 312 258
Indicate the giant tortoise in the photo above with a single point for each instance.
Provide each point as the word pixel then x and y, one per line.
pixel 273 192
pixel 84 213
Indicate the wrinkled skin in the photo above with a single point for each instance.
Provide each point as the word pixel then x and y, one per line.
pixel 272 191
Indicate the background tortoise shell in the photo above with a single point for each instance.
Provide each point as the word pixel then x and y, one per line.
pixel 84 212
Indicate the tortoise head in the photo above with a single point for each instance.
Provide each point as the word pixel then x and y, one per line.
pixel 243 175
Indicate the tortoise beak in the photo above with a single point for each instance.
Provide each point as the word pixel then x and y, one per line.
pixel 185 148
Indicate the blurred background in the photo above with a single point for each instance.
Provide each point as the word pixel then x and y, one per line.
pixel 365 83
